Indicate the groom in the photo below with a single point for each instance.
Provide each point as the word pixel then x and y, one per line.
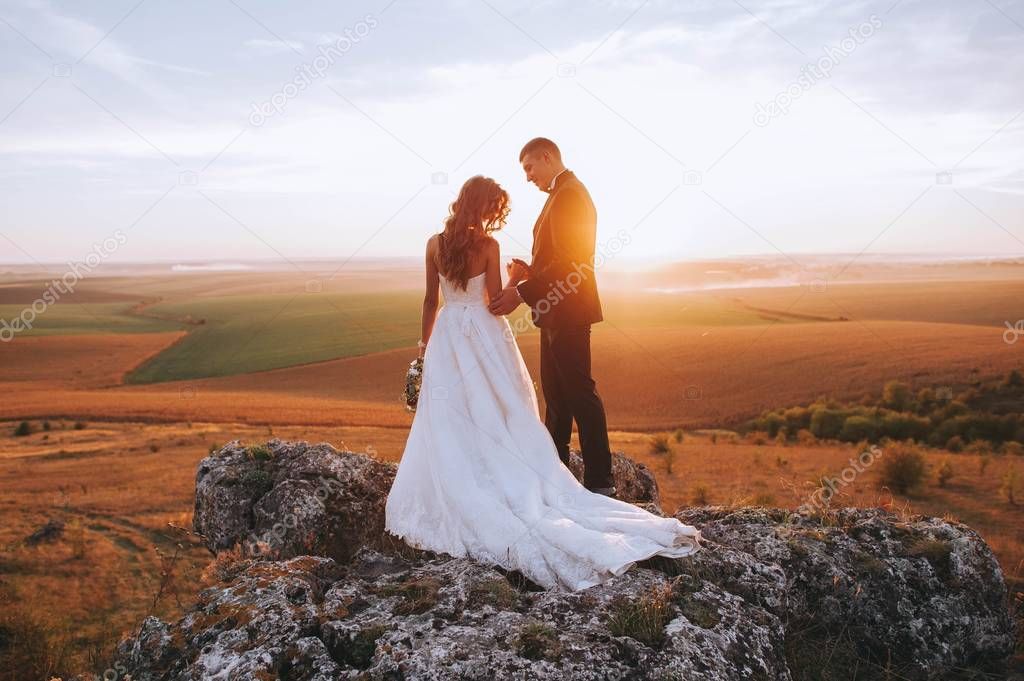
pixel 560 288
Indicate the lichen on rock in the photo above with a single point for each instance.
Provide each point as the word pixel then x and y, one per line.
pixel 773 595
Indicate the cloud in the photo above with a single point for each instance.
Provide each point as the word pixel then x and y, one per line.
pixel 73 39
pixel 262 46
pixel 677 81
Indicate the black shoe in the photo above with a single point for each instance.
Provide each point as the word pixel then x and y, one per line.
pixel 607 491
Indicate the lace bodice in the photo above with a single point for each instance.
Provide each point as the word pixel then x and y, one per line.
pixel 473 295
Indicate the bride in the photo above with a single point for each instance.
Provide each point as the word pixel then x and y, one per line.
pixel 480 475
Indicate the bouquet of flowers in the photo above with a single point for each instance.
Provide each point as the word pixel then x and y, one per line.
pixel 413 380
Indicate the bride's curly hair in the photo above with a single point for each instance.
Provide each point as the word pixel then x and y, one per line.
pixel 481 208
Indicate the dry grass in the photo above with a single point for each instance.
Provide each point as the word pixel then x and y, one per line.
pixel 735 473
pixel 68 363
pixel 644 619
pixel 711 378
pixel 117 497
pixel 118 482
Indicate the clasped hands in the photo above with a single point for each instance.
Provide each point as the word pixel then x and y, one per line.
pixel 509 298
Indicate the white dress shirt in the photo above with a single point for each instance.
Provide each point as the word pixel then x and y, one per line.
pixel 551 187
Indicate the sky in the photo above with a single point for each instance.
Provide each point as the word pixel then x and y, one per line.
pixel 251 129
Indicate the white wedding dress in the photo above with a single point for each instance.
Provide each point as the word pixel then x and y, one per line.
pixel 480 476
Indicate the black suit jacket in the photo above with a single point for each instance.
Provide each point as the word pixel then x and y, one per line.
pixel 562 287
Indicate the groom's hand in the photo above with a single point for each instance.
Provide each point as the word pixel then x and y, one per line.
pixel 518 271
pixel 507 301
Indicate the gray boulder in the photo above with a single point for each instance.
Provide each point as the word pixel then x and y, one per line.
pixel 856 593
pixel 287 499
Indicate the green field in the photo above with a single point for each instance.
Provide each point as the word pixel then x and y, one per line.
pixel 241 334
pixel 68 318
pixel 238 334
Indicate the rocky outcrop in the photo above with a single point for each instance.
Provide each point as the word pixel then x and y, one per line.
pixel 385 617
pixel 864 588
pixel 773 595
pixel 633 481
pixel 287 499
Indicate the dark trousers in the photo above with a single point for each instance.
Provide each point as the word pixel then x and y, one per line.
pixel 570 393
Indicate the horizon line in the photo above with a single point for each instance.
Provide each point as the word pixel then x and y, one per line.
pixel 917 255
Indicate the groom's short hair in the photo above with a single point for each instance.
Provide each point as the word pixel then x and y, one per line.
pixel 538 145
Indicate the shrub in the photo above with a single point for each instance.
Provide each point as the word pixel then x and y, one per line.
pixel 46 425
pixel 31 648
pixel 154 447
pixel 806 437
pixel 659 444
pixel 945 473
pixel 258 453
pixel 678 435
pixel 955 444
pixel 905 426
pixel 857 428
pixel 1013 380
pixel 771 423
pixel 903 468
pixel 983 462
pixel 1015 448
pixel 826 423
pixel 79 425
pixel 24 428
pixel 978 426
pixel 257 481
pixel 950 411
pixel 225 566
pixel 896 396
pixel 1009 488
pixel 979 447
pixel 700 495
pixel 967 396
pixel 797 418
